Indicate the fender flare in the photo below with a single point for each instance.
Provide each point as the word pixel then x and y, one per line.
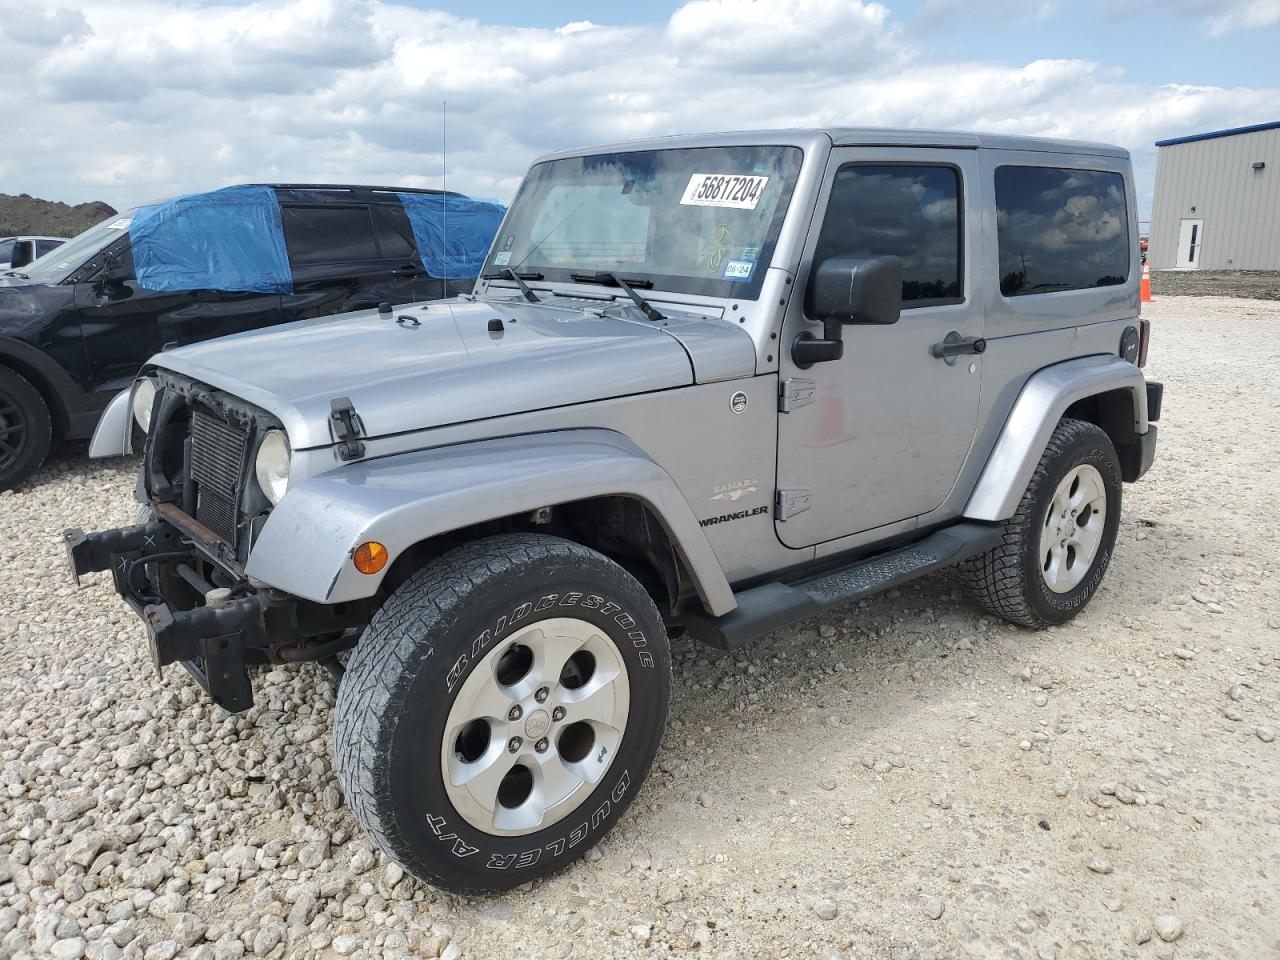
pixel 1042 402
pixel 68 397
pixel 113 436
pixel 306 544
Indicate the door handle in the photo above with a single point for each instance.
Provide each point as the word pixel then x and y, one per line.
pixel 955 345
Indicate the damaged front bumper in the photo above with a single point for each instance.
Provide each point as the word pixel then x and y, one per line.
pixel 200 615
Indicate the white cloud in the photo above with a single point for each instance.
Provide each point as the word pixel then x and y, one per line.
pixel 1225 16
pixel 128 100
pixel 770 36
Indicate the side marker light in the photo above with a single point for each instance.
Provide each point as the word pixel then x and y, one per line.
pixel 370 557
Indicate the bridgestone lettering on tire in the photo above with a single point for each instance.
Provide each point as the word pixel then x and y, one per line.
pixel 455 737
pixel 1011 579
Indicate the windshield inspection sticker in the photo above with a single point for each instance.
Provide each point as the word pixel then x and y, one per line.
pixel 724 190
pixel 739 270
pixel 502 258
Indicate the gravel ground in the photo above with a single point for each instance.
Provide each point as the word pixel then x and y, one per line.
pixel 1251 284
pixel 906 779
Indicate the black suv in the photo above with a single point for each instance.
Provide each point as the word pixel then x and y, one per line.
pixel 76 325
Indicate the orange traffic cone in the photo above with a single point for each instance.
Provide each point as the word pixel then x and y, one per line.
pixel 1146 282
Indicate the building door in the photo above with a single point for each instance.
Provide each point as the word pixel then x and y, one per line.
pixel 1190 238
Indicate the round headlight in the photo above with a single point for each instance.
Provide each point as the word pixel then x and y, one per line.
pixel 144 398
pixel 272 465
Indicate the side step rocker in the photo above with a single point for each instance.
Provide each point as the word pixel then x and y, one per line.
pixel 771 606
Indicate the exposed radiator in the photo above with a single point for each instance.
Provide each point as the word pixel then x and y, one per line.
pixel 218 451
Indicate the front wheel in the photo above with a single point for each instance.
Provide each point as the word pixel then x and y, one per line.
pixel 501 711
pixel 26 429
pixel 1056 547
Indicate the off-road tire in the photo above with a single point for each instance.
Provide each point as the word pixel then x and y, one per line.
pixel 1007 579
pixel 414 658
pixel 29 422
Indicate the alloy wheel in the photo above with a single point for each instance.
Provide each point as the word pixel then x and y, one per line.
pixel 13 431
pixel 535 726
pixel 1073 528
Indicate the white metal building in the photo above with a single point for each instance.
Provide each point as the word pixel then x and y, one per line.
pixel 1217 201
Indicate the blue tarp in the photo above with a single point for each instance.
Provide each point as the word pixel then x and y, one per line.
pixel 228 239
pixel 470 229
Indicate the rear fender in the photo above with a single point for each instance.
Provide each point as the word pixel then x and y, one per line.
pixel 306 545
pixel 1044 399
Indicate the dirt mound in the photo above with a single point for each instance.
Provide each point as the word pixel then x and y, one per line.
pixel 31 215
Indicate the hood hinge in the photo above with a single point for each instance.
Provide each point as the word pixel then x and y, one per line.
pixel 794 393
pixel 345 426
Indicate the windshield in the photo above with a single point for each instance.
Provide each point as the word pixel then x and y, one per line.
pixel 56 265
pixel 701 220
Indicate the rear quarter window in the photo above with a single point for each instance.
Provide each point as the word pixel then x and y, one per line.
pixel 6 250
pixel 1060 229
pixel 329 234
pixel 395 235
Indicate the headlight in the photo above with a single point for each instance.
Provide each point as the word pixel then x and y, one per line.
pixel 144 398
pixel 272 465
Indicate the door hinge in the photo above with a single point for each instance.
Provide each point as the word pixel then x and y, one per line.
pixel 791 502
pixel 345 425
pixel 795 393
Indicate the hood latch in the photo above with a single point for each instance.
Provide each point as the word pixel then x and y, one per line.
pixel 345 425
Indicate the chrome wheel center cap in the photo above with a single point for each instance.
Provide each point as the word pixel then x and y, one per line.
pixel 537 724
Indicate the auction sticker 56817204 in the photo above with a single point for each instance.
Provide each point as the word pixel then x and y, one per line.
pixel 742 192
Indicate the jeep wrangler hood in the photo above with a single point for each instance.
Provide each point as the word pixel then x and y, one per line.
pixel 429 365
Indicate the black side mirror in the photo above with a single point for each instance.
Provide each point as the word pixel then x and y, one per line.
pixel 857 290
pixel 848 290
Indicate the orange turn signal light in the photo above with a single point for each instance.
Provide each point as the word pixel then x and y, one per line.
pixel 370 557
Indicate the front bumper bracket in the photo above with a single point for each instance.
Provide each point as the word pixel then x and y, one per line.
pixel 210 642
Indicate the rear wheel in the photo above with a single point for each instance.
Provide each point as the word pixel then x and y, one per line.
pixel 26 429
pixel 501 711
pixel 1057 546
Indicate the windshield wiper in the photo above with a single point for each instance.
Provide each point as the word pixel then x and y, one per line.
pixel 506 273
pixel 607 279
pixel 17 273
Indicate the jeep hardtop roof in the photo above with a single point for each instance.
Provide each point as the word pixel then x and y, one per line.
pixel 856 137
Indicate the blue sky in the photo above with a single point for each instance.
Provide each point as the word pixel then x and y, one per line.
pixel 167 96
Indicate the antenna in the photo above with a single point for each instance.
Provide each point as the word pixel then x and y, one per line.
pixel 444 173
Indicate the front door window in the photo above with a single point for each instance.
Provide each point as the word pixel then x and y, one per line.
pixel 900 210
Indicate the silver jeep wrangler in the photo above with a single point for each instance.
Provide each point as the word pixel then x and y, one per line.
pixel 712 385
